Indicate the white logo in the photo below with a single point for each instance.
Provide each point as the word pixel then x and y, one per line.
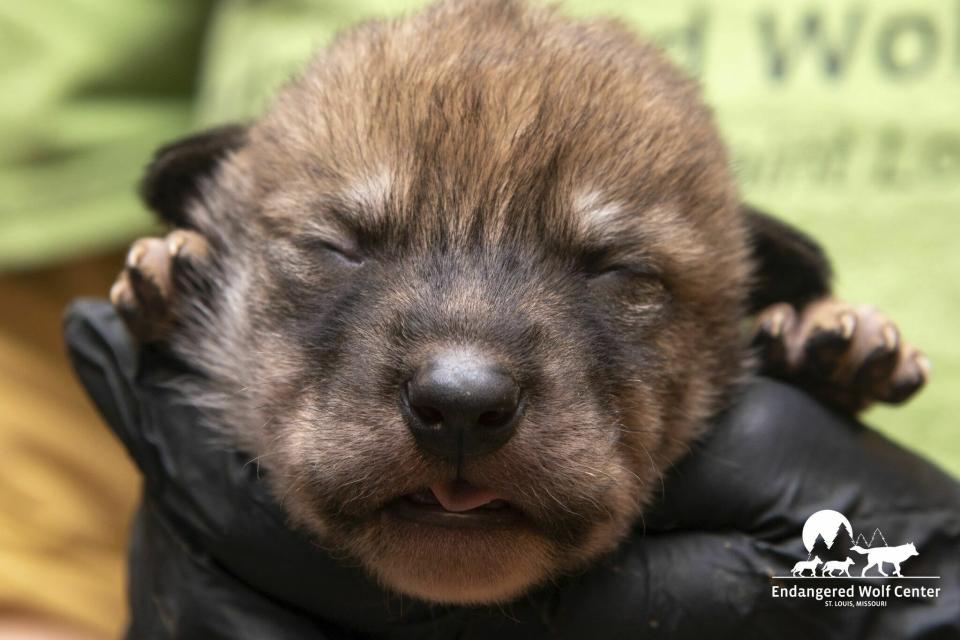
pixel 834 553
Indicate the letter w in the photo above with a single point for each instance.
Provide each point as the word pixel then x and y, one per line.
pixel 782 53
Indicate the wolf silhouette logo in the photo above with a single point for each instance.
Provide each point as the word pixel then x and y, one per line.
pixel 836 565
pixel 830 542
pixel 802 566
pixel 892 555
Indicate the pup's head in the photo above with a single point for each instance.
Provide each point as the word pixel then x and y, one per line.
pixel 481 278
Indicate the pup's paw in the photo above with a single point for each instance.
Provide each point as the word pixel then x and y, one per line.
pixel 848 356
pixel 149 292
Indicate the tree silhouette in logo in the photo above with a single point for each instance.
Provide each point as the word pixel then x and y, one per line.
pixel 840 548
pixel 819 549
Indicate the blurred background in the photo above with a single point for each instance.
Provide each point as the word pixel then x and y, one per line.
pixel 842 117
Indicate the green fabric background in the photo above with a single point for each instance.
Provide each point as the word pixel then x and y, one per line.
pixel 842 116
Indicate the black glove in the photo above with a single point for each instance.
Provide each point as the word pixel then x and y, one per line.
pixel 211 556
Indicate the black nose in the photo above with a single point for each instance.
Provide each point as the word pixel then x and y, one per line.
pixel 461 404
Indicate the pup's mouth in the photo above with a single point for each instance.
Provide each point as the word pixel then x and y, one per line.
pixel 456 503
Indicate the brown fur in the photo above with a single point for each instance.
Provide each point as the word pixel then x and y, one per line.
pixel 550 191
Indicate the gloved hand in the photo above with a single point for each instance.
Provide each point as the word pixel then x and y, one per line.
pixel 211 556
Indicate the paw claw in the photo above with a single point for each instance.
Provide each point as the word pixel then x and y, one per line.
pixel 774 325
pixel 174 245
pixel 924 364
pixel 117 292
pixel 848 356
pixel 135 255
pixel 156 273
pixel 891 337
pixel 771 327
pixel 848 323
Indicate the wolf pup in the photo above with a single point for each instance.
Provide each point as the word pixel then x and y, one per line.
pixel 473 283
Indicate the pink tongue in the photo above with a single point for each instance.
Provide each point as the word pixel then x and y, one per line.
pixel 461 496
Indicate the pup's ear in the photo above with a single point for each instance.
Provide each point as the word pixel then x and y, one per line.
pixel 789 266
pixel 174 176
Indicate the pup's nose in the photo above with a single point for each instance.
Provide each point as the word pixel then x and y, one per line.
pixel 461 404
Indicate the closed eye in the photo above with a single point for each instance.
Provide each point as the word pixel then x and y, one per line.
pixel 625 270
pixel 600 264
pixel 336 250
